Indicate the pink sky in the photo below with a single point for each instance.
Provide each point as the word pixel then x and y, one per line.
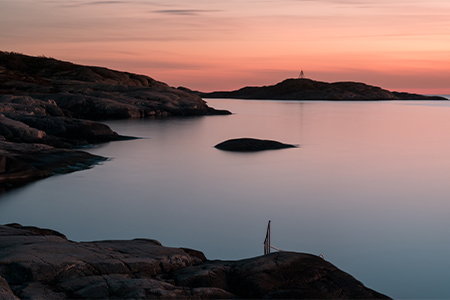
pixel 207 45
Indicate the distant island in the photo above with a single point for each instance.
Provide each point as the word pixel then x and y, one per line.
pixel 308 89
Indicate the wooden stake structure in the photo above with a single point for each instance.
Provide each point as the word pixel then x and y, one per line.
pixel 267 241
pixel 267 245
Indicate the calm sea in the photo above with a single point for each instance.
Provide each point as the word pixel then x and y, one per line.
pixel 368 188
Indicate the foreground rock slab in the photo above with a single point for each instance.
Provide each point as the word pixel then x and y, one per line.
pixel 251 145
pixel 40 263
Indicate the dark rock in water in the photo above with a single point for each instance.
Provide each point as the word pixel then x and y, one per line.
pixel 307 89
pixel 42 264
pixel 250 144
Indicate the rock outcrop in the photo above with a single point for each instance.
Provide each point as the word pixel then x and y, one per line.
pixel 307 89
pixel 251 145
pixel 21 163
pixel 35 145
pixel 42 264
pixel 48 107
pixel 94 93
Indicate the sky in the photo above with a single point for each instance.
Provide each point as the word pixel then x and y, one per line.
pixel 207 45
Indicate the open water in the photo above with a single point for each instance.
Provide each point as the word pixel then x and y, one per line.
pixel 368 188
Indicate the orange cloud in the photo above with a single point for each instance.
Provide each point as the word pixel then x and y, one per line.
pixel 211 45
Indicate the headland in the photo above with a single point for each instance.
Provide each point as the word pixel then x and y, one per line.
pixel 49 108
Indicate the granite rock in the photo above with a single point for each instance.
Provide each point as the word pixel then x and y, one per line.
pixel 21 163
pixel 5 291
pixel 40 263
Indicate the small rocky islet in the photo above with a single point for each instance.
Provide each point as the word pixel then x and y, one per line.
pixel 251 145
pixel 38 263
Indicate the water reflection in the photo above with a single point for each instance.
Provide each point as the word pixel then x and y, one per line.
pixel 368 188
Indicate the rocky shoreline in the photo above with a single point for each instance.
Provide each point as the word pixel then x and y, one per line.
pixel 49 108
pixel 21 163
pixel 40 263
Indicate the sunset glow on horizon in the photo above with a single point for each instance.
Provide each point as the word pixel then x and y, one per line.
pixel 223 45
